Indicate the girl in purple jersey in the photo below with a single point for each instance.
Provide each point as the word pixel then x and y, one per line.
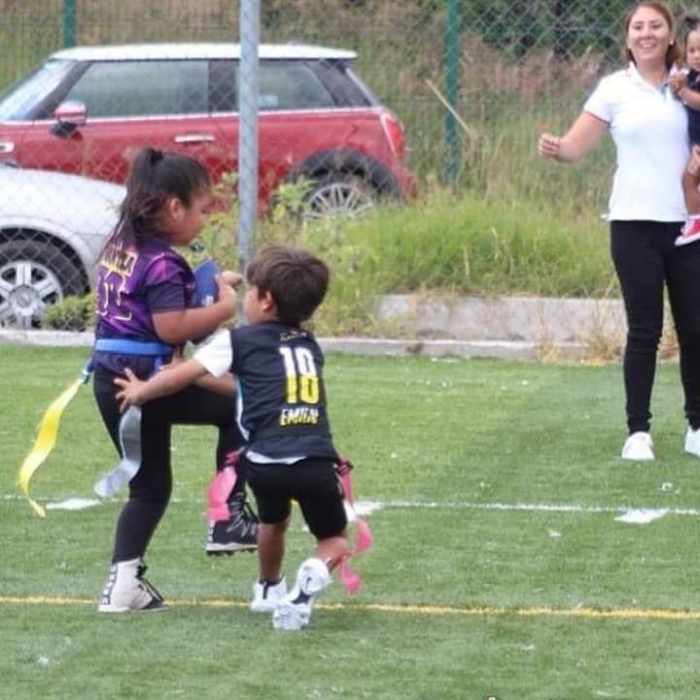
pixel 146 311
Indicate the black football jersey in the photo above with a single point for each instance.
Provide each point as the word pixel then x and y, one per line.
pixel 281 392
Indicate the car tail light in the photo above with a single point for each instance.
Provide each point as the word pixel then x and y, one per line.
pixel 394 134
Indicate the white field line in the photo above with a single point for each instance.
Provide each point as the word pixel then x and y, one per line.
pixel 367 507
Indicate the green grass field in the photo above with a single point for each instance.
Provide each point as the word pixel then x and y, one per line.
pixel 500 566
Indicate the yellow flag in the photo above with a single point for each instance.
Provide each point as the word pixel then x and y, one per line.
pixel 45 441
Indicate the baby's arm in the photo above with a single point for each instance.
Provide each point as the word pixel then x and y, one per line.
pixel 691 181
pixel 690 97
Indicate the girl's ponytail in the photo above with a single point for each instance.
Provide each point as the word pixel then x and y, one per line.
pixel 155 177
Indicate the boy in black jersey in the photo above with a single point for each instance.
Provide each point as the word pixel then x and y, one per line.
pixel 289 453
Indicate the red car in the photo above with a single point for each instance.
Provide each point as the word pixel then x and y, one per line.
pixel 88 110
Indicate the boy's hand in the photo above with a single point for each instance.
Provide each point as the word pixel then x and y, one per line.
pixel 548 146
pixel 129 394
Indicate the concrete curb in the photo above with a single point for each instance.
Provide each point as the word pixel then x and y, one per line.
pixel 514 328
pixel 499 349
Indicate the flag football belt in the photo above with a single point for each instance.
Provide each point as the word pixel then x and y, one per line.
pixel 130 422
pixel 48 428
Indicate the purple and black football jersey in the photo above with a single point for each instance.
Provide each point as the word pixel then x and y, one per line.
pixel 281 393
pixel 132 284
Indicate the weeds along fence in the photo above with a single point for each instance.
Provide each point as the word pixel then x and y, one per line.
pixel 473 82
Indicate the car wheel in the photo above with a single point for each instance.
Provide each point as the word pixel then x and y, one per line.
pixel 340 194
pixel 32 275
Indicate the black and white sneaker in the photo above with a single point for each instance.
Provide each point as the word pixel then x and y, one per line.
pixel 237 534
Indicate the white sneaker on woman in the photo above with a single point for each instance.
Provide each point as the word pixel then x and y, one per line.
pixel 639 447
pixel 692 442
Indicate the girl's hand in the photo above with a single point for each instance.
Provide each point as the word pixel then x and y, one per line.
pixel 549 146
pixel 227 294
pixel 129 394
pixel 232 279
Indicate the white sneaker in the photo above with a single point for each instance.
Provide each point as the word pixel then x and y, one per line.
pixel 266 597
pixel 638 447
pixel 692 442
pixel 127 590
pixel 294 610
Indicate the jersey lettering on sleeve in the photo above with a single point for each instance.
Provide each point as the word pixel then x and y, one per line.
pixel 118 265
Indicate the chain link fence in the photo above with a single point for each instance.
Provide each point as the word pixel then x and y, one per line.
pixel 404 96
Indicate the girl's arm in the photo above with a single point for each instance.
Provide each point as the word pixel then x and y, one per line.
pixel 585 133
pixel 179 326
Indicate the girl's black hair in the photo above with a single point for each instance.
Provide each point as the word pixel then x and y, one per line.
pixel 155 177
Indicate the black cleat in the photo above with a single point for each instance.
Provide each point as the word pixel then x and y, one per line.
pixel 237 534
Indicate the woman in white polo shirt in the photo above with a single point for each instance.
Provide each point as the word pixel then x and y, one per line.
pixel 647 210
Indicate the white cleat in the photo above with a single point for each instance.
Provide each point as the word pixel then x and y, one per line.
pixel 267 597
pixel 294 610
pixel 127 590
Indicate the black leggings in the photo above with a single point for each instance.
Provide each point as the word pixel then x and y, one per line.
pixel 150 489
pixel 645 259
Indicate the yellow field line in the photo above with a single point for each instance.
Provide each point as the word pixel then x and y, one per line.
pixel 592 613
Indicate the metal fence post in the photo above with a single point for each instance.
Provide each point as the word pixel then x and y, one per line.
pixel 452 88
pixel 248 130
pixel 68 23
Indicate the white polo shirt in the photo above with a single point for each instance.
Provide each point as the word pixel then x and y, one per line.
pixel 650 129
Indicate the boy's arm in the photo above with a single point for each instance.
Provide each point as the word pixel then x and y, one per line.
pixel 225 385
pixel 134 391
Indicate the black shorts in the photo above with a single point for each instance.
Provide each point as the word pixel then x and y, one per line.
pixel 312 482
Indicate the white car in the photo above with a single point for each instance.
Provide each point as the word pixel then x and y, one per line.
pixel 52 229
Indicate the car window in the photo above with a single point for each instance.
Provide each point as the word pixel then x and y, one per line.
pixel 21 101
pixel 347 89
pixel 143 88
pixel 224 90
pixel 291 85
pixel 283 85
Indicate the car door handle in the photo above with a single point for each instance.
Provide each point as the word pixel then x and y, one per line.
pixel 194 138
pixel 6 146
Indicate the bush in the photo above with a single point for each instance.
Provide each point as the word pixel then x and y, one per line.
pixel 72 314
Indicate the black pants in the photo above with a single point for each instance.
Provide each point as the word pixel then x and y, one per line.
pixel 150 489
pixel 646 259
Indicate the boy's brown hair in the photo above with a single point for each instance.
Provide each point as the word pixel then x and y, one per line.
pixel 295 278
